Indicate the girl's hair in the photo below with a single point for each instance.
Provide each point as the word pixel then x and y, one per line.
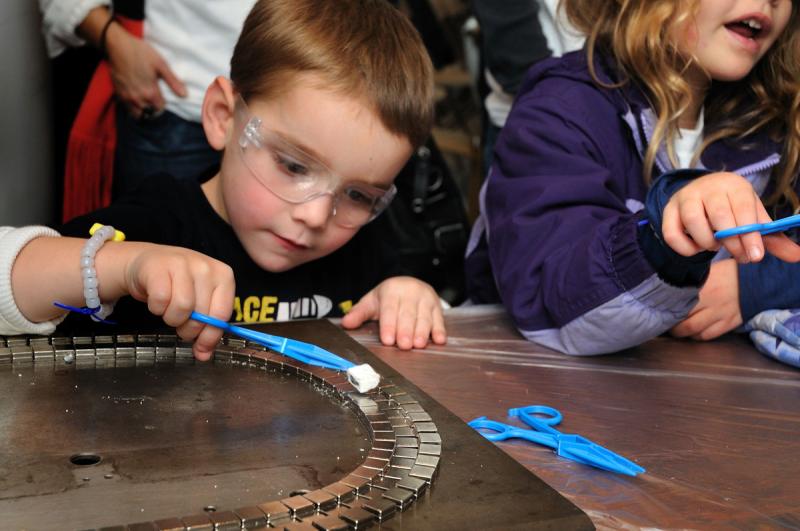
pixel 361 48
pixel 637 34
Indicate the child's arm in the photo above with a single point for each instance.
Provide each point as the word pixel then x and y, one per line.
pixel 409 312
pixel 172 280
pixel 12 241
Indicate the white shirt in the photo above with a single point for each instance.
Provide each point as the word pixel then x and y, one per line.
pixel 561 37
pixel 688 140
pixel 195 38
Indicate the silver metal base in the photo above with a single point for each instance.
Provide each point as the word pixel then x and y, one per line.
pixel 105 431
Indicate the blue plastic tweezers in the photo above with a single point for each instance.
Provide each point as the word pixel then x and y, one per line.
pixel 305 352
pixel 570 446
pixel 779 225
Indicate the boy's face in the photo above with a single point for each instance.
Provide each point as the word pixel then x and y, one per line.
pixel 313 151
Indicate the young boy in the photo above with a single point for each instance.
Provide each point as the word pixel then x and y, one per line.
pixel 326 101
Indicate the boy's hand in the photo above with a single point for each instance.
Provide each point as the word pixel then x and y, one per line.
pixel 174 282
pixel 408 310
pixel 721 201
pixel 717 312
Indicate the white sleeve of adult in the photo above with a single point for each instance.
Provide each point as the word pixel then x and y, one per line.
pixel 60 19
pixel 12 240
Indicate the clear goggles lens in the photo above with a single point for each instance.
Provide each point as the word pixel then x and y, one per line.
pixel 295 176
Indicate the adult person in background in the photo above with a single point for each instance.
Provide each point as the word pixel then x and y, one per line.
pixel 515 34
pixel 159 58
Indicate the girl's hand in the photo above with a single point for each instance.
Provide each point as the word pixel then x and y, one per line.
pixel 174 282
pixel 721 201
pixel 717 312
pixel 409 312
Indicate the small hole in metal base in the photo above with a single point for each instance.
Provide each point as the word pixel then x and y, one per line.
pixel 210 508
pixel 299 492
pixel 85 459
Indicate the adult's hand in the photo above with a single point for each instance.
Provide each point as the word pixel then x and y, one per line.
pixel 136 68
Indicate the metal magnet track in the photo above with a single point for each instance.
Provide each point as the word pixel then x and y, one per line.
pixel 400 467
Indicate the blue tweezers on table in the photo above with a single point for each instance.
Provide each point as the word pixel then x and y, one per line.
pixel 305 352
pixel 569 446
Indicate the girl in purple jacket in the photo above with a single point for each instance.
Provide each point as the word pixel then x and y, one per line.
pixel 618 163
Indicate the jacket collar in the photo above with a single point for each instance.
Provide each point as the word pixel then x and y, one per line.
pixel 751 155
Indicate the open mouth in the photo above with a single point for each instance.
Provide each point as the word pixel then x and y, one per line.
pixel 749 28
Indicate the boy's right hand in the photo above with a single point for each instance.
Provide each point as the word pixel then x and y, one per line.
pixel 720 201
pixel 175 281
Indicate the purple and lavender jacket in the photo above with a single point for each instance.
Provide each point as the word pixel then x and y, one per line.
pixel 558 241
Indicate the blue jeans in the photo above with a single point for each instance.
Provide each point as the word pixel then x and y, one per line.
pixel 167 143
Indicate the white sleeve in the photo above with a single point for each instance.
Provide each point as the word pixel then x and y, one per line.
pixel 60 18
pixel 12 321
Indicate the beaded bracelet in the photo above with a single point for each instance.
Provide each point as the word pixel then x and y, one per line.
pixel 95 309
pixel 100 234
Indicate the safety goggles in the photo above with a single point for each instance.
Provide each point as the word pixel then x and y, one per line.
pixel 294 175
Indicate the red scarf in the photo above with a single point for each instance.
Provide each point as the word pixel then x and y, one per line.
pixel 90 151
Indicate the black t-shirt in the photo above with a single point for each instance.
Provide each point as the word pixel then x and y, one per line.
pixel 168 211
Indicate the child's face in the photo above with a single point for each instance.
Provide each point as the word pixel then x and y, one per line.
pixel 309 143
pixel 728 37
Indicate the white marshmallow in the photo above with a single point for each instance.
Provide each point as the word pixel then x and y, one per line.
pixel 363 377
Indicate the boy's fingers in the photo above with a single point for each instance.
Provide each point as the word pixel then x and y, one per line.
pixel 407 315
pixel 206 342
pixel 406 321
pixel 215 289
pixel 388 316
pixel 222 297
pixel 218 303
pixel 423 324
pixel 182 300
pixel 364 310
pixel 674 234
pixel 158 290
pixel 438 332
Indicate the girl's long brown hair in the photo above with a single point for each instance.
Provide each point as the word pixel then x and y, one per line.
pixel 637 33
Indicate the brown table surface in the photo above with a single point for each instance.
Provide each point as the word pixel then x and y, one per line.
pixel 716 424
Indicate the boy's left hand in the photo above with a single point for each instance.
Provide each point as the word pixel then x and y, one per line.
pixel 717 312
pixel 409 312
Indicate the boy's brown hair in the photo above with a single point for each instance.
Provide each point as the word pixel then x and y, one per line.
pixel 361 48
